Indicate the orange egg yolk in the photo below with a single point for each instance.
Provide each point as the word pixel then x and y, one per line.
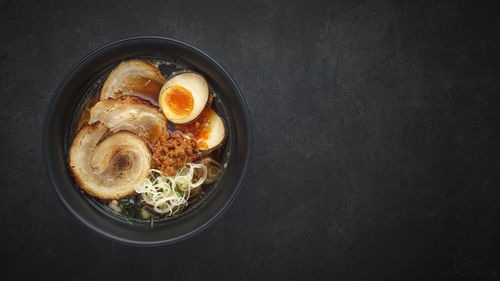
pixel 179 100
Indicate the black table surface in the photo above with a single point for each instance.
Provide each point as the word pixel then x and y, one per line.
pixel 376 140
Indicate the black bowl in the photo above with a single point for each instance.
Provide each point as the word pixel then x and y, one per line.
pixel 57 127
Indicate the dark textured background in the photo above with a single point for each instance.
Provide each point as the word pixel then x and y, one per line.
pixel 376 140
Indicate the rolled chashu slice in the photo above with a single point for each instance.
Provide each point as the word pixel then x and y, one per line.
pixel 131 114
pixel 108 168
pixel 133 77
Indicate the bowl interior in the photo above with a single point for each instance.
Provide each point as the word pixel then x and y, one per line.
pixel 58 132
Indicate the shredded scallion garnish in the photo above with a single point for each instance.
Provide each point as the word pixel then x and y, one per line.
pixel 169 194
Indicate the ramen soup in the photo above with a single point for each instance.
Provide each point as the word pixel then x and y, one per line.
pixel 148 140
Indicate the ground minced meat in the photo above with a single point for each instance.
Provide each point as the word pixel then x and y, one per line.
pixel 172 152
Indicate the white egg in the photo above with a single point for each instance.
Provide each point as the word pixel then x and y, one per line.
pixel 216 130
pixel 208 130
pixel 183 97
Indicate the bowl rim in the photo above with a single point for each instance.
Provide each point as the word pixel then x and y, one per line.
pixel 47 157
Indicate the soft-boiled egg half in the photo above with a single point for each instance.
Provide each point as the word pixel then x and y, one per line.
pixel 183 97
pixel 208 130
